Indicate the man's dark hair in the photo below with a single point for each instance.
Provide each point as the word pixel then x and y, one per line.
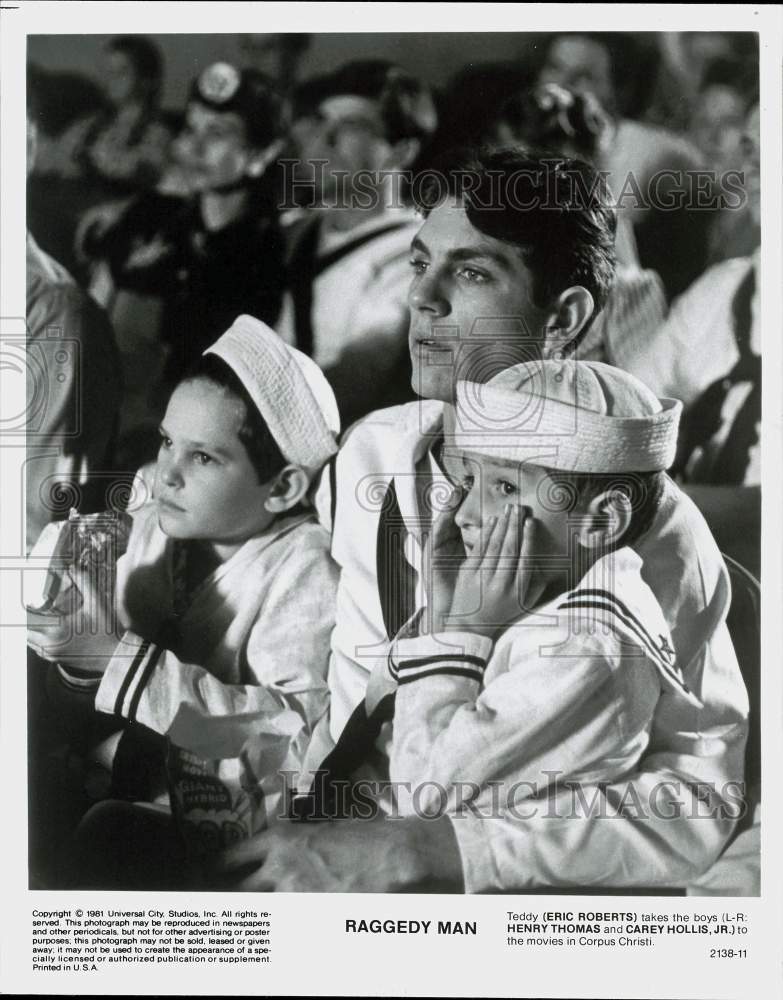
pixel 261 447
pixel 146 60
pixel 555 211
pixel 573 491
pixel 405 103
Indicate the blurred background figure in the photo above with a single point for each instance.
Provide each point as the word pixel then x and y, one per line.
pixel 179 267
pixel 719 126
pixel 277 56
pixel 73 385
pixel 124 146
pixel 98 141
pixel 573 123
pixel 708 354
pixel 356 132
pixel 615 68
pixel 685 61
pixel 467 109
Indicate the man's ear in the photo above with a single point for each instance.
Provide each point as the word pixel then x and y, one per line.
pixel 261 158
pixel 565 319
pixel 606 520
pixel 288 489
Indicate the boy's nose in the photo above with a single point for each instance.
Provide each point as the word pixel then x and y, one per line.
pixel 169 470
pixel 469 513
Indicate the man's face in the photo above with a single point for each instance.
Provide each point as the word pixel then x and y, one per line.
pixel 213 147
pixel 579 63
pixel 206 487
pixel 472 312
pixel 346 131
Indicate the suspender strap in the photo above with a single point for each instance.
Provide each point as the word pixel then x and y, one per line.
pixel 306 266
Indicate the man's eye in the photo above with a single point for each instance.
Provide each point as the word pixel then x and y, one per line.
pixel 472 275
pixel 506 488
pixel 419 266
pixel 165 442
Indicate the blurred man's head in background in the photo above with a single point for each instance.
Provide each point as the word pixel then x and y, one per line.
pixel 367 117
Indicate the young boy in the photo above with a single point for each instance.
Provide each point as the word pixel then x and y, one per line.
pixel 546 653
pixel 226 592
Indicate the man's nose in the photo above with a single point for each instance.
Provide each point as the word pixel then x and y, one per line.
pixel 427 293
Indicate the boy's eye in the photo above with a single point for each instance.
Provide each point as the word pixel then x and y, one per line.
pixel 202 457
pixel 467 483
pixel 506 488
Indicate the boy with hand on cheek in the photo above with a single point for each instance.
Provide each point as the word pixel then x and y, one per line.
pixel 545 652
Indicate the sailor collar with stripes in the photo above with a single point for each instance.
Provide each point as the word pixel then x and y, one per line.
pixel 611 601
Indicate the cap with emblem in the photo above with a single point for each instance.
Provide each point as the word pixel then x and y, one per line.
pixel 575 416
pixel 288 388
pixel 244 92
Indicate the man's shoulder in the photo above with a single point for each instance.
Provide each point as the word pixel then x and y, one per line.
pixel 381 429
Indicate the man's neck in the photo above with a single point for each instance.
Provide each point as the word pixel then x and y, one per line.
pixel 220 209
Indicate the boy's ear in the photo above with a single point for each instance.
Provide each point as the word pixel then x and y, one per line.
pixel 606 520
pixel 261 158
pixel 288 489
pixel 566 317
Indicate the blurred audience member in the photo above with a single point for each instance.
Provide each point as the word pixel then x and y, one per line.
pixel 54 202
pixel 349 249
pixel 685 59
pixel 718 120
pixel 647 166
pixel 208 257
pixel 720 129
pixel 463 119
pixel 73 384
pixel 278 56
pixel 708 354
pixel 124 146
pixel 573 124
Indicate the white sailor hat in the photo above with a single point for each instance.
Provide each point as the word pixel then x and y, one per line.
pixel 575 416
pixel 288 388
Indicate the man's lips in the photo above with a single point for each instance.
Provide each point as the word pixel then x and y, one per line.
pixel 434 343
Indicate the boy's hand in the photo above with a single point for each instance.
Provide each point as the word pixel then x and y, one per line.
pixel 83 637
pixel 446 555
pixel 493 586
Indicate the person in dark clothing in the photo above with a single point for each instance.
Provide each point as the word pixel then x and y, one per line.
pixel 207 241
